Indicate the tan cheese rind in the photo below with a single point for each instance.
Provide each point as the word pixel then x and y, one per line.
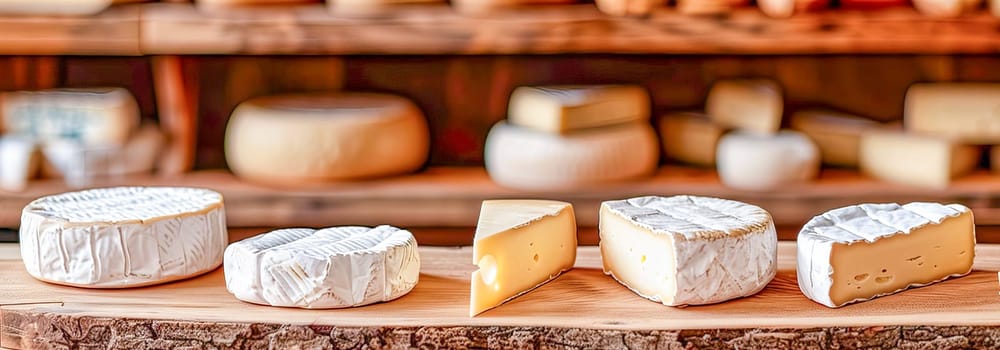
pixel 748 105
pixel 915 160
pixel 838 135
pixel 519 246
pixel 326 137
pixel 525 158
pixel 865 251
pixel 690 137
pixel 562 109
pixel 964 112
pixel 687 250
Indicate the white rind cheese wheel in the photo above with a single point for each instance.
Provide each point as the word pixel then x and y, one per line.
pixel 525 158
pixel 324 137
pixel 865 251
pixel 746 105
pixel 966 112
pixel 761 162
pixel 334 267
pixel 915 160
pixel 687 250
pixel 123 236
pixel 92 116
pixel 690 137
pixel 561 109
pixel 838 135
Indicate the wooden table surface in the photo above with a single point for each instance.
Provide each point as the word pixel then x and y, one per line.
pixel 580 309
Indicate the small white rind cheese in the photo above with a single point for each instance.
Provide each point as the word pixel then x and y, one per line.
pixel 861 252
pixel 687 250
pixel 334 267
pixel 123 236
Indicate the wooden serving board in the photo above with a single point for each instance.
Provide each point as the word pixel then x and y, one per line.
pixel 582 308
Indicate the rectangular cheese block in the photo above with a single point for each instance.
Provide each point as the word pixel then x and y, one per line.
pixel 92 116
pixel 915 159
pixel 519 245
pixel 753 105
pixel 690 137
pixel 966 112
pixel 838 135
pixel 561 109
pixel 865 251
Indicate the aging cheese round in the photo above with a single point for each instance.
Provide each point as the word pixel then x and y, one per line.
pixel 324 137
pixel 334 267
pixel 123 236
pixel 90 116
pixel 752 105
pixel 520 157
pixel 688 250
pixel 761 162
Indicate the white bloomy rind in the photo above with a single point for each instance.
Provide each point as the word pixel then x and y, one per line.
pixel 721 249
pixel 123 236
pixel 856 224
pixel 334 267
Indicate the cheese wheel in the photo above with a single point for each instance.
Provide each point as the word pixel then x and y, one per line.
pixel 324 137
pixel 92 116
pixel 690 137
pixel 19 162
pixel 946 8
pixel 966 112
pixel 763 162
pixel 524 158
pixel 334 267
pixel 123 236
pixel 80 165
pixel 838 135
pixel 563 109
pixel 57 7
pixel 748 105
pixel 916 160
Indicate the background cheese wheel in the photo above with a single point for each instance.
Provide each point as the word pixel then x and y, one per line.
pixel 838 135
pixel 917 160
pixel 967 112
pixel 57 7
pixel 92 116
pixel 524 158
pixel 754 105
pixel 690 137
pixel 123 236
pixel 946 8
pixel 322 137
pixel 761 162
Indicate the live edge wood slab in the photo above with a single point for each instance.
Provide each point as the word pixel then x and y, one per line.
pixel 583 308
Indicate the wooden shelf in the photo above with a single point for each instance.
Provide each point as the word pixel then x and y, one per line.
pixel 583 306
pixel 182 29
pixel 114 32
pixel 451 197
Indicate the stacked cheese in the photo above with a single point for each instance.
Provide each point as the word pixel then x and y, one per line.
pixel 326 137
pixel 943 126
pixel 564 137
pixel 77 134
pixel 757 155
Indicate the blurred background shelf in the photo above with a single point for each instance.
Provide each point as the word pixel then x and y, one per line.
pixel 183 29
pixel 451 197
pixel 112 32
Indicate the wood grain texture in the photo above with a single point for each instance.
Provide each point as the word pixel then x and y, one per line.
pixel 181 29
pixel 451 197
pixel 583 308
pixel 112 32
pixel 176 94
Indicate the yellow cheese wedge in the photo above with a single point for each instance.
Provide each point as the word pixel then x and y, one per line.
pixel 519 246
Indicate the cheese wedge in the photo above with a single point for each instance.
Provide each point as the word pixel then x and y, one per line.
pixel 865 251
pixel 687 250
pixel 690 137
pixel 965 112
pixel 915 160
pixel 838 135
pixel 747 105
pixel 560 109
pixel 519 246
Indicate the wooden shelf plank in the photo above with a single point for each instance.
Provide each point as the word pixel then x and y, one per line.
pixel 579 302
pixel 182 29
pixel 451 197
pixel 113 32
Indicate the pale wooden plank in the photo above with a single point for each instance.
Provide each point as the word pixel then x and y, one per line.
pixel 182 29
